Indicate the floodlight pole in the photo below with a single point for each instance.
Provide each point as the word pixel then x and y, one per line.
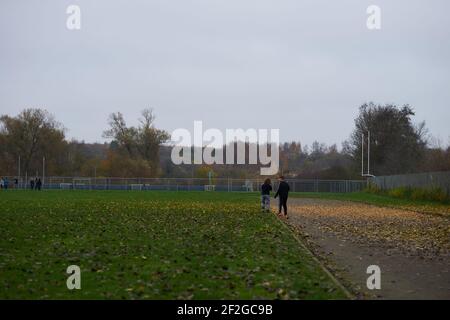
pixel 368 156
pixel 362 154
pixel 43 172
pixel 368 152
pixel 18 172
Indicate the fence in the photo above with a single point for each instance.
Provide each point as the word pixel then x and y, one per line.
pixel 188 184
pixel 419 180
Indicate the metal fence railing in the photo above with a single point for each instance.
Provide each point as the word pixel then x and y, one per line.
pixel 186 184
pixel 426 180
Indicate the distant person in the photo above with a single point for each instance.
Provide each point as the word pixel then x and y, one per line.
pixel 16 183
pixel 32 184
pixel 2 182
pixel 38 184
pixel 6 183
pixel 282 192
pixel 266 187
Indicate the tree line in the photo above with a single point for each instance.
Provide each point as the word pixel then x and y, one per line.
pixel 398 145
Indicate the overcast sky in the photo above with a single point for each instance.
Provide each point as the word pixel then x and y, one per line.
pixel 301 66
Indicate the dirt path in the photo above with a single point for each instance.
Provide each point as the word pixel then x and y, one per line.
pixel 411 249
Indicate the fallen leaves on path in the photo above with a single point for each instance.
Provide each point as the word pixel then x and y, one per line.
pixel 394 229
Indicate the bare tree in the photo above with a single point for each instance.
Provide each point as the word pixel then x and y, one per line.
pixel 141 142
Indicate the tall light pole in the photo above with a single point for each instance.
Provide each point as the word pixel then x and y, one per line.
pixel 368 174
pixel 43 171
pixel 368 152
pixel 362 154
pixel 18 172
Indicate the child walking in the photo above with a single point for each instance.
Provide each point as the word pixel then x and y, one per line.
pixel 266 187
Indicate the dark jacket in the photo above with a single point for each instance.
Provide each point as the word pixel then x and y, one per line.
pixel 265 189
pixel 283 190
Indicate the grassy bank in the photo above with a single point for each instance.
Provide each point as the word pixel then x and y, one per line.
pixel 434 207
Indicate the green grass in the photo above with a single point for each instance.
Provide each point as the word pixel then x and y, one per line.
pixel 151 245
pixel 434 207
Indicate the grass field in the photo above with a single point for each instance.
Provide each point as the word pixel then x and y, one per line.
pixel 151 245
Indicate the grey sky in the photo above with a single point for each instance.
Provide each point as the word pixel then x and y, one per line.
pixel 301 66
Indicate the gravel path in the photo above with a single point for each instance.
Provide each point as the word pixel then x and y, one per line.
pixel 412 249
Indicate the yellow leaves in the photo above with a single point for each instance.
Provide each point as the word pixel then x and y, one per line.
pixel 410 231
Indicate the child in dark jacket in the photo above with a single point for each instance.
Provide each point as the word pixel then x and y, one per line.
pixel 265 195
pixel 282 192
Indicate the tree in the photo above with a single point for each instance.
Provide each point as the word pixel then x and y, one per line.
pixel 140 144
pixel 119 131
pixel 397 145
pixel 148 138
pixel 33 134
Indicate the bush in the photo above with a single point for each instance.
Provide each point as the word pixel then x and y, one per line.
pixel 435 194
pixel 415 194
pixel 418 194
pixel 402 192
pixel 373 188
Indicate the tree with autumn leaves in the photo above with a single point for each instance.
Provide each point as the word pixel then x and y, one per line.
pixel 35 134
pixel 398 145
pixel 31 135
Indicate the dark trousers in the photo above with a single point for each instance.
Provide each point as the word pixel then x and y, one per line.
pixel 282 202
